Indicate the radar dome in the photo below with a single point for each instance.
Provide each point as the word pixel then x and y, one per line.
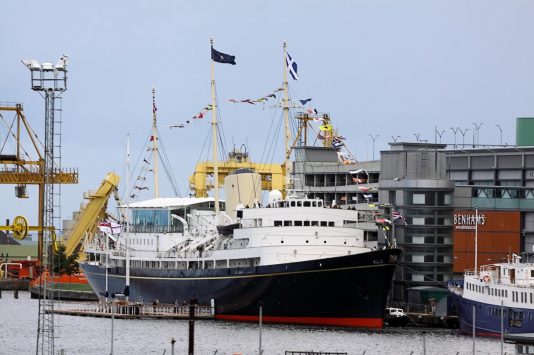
pixel 274 195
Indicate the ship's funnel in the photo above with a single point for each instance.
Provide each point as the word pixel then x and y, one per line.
pixel 242 187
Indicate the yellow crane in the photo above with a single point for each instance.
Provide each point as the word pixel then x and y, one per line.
pixel 86 221
pixel 272 175
pixel 20 170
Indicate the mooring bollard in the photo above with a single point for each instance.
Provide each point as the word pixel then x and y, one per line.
pixel 16 294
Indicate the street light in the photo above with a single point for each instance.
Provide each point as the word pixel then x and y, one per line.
pixel 500 130
pixel 395 138
pixel 439 133
pixel 417 135
pixel 463 135
pixel 374 140
pixel 476 133
pixel 455 130
pixel 50 81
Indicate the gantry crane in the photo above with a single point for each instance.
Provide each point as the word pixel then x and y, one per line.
pixel 20 170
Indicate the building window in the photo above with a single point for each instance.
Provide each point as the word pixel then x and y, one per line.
pixel 419 221
pixel 418 199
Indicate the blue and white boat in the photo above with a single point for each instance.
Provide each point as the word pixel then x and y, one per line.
pixel 501 297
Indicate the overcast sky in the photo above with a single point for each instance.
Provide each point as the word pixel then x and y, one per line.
pixel 387 68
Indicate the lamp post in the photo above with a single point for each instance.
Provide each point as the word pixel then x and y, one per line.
pixel 438 133
pixel 500 130
pixel 395 138
pixel 51 82
pixel 455 130
pixel 463 135
pixel 417 135
pixel 374 140
pixel 476 133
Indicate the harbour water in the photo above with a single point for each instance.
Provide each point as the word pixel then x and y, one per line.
pixel 86 335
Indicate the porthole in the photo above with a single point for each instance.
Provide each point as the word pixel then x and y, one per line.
pixel 325 241
pixel 306 241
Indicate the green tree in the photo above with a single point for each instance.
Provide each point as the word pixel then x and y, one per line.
pixel 64 264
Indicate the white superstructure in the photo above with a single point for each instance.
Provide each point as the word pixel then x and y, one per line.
pixel 511 283
pixel 181 232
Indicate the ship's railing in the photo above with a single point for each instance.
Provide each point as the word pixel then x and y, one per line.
pixel 153 309
pixel 155 229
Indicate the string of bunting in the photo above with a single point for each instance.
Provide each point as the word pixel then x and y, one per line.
pixel 262 99
pixel 141 178
pixel 198 116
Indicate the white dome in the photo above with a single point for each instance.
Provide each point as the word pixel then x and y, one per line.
pixel 274 195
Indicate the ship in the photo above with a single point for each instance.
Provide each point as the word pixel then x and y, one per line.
pixel 295 258
pixel 500 297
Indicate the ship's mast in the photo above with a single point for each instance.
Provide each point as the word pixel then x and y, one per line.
pixel 127 227
pixel 155 142
pixel 287 168
pixel 214 135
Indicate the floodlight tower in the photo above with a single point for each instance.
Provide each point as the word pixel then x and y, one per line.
pixel 50 81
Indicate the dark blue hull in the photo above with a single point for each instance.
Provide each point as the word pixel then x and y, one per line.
pixel 488 318
pixel 347 291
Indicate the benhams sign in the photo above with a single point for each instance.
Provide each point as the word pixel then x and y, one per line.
pixel 468 221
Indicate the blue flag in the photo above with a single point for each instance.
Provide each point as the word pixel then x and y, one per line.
pixel 292 67
pixel 304 102
pixel 219 57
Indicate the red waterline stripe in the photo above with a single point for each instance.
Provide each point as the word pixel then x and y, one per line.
pixel 340 322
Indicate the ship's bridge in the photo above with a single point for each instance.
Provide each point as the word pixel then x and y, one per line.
pixel 165 215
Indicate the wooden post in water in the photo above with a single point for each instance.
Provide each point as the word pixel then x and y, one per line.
pixel 261 320
pixel 191 350
pixel 474 313
pixel 172 345
pixel 112 319
pixel 502 326
pixel 424 343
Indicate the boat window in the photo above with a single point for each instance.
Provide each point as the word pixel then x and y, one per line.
pixel 288 223
pixel 298 223
pixel 314 204
pixel 324 223
pixel 292 203
pixel 277 223
pixel 531 273
pixel 330 224
pixel 306 203
pixel 319 203
pixel 315 223
pixel 299 203
pixel 306 223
